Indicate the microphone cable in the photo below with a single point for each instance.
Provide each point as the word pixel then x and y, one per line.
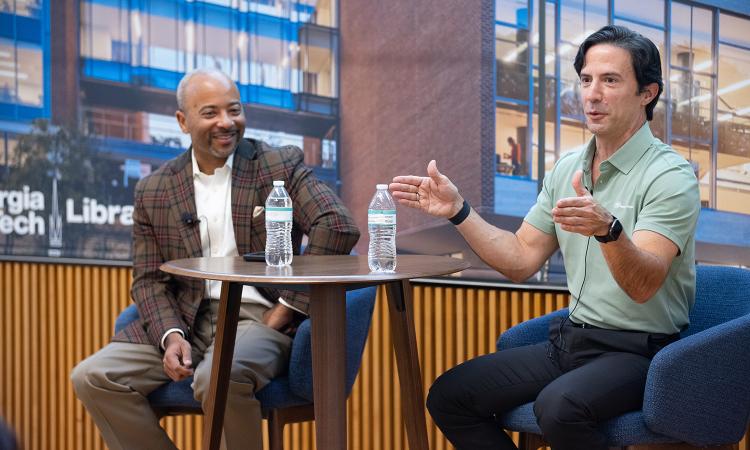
pixel 560 337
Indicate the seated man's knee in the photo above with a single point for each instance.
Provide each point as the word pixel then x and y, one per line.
pixel 447 396
pixel 82 376
pixel 239 376
pixel 246 373
pixel 78 377
pixel 555 412
pixel 201 383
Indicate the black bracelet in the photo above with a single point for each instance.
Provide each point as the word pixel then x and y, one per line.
pixel 462 214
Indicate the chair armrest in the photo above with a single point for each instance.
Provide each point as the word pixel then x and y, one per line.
pixel 697 389
pixel 529 332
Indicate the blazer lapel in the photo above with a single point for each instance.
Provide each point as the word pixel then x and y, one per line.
pixel 245 195
pixel 182 193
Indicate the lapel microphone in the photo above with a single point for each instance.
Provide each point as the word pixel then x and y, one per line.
pixel 189 219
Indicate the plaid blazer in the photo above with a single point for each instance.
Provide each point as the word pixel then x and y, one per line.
pixel 165 301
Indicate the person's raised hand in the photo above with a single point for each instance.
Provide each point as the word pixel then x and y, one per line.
pixel 434 194
pixel 177 360
pixel 581 214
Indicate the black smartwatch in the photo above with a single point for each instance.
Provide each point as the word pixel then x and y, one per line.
pixel 615 228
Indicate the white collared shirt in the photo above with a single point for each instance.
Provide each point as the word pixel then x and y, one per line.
pixel 213 206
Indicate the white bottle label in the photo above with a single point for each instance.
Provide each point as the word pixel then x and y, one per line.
pixel 381 217
pixel 278 214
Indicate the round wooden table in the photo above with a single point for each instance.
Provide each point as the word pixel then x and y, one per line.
pixel 327 278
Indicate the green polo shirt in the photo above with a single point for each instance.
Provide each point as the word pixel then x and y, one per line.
pixel 648 186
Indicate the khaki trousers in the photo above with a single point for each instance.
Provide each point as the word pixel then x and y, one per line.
pixel 114 382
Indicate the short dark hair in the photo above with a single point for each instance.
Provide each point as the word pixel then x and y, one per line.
pixel 643 54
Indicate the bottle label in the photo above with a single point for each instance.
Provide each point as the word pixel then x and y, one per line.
pixel 278 214
pixel 381 217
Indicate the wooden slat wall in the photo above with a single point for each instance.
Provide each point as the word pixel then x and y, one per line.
pixel 52 316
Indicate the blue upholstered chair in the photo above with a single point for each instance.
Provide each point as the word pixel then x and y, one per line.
pixel 288 398
pixel 697 390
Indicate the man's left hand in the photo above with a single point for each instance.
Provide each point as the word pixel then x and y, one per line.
pixel 279 317
pixel 582 214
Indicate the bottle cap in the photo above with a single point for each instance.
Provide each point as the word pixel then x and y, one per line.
pixel 278 182
pixel 381 186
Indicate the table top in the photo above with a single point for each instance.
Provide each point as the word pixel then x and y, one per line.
pixel 312 269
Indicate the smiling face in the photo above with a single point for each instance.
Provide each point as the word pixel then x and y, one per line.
pixel 612 103
pixel 213 116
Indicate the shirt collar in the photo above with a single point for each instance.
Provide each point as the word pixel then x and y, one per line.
pixel 197 172
pixel 626 156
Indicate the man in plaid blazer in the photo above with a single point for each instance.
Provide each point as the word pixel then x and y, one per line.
pixel 209 200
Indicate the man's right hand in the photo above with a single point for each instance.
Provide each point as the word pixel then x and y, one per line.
pixel 434 194
pixel 177 360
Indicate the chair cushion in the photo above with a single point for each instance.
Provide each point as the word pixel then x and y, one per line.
pixel 627 429
pixel 175 397
pixel 178 397
pixel 520 419
pixel 278 394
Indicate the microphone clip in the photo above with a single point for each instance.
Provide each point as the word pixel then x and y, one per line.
pixel 189 219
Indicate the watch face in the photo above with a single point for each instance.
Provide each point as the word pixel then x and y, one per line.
pixel 614 232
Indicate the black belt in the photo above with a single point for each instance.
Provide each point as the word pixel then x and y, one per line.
pixel 584 325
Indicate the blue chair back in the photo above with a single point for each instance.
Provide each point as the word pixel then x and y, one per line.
pixel 721 311
pixel 127 315
pixel 359 306
pixel 722 294
pixel 530 332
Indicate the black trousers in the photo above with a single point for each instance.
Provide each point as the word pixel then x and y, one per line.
pixel 579 378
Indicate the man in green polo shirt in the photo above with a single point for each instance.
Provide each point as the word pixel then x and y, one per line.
pixel 623 212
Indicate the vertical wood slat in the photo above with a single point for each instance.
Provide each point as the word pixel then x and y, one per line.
pixel 52 316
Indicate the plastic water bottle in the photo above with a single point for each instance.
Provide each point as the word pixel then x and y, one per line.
pixel 381 223
pixel 278 226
